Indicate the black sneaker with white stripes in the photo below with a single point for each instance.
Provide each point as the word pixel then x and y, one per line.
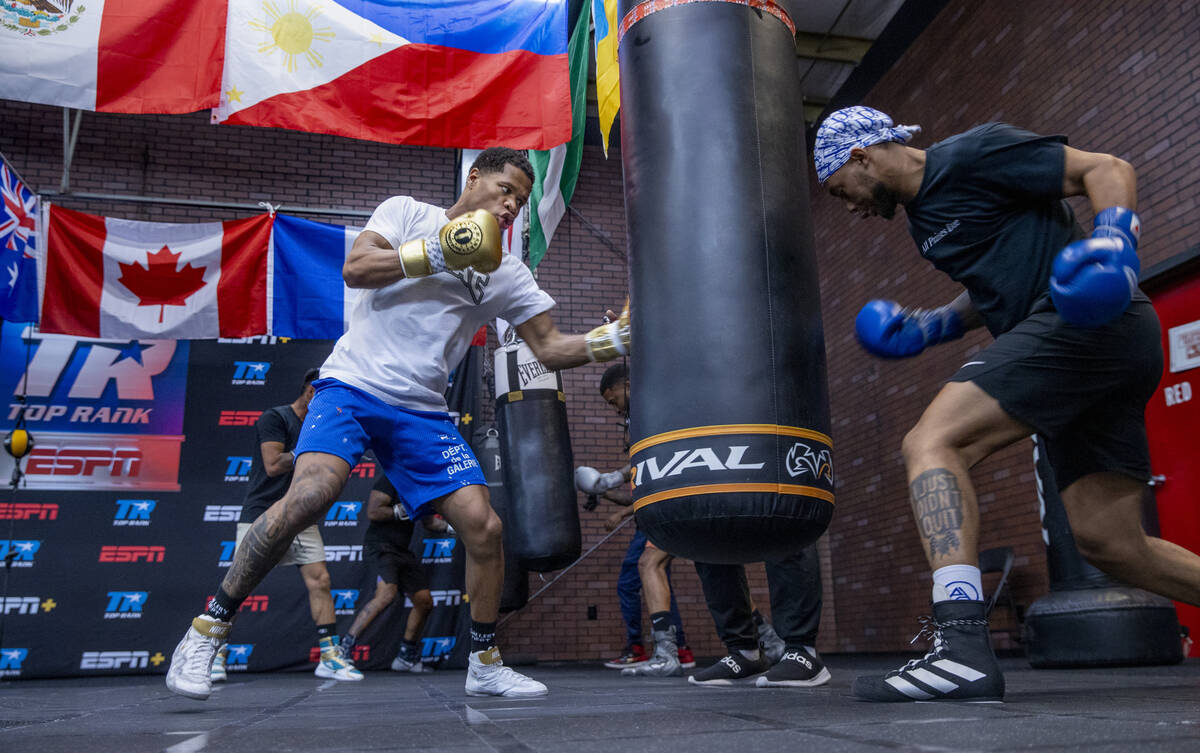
pixel 960 666
pixel 797 668
pixel 733 669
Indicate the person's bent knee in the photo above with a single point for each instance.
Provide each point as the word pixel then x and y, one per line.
pixel 1103 549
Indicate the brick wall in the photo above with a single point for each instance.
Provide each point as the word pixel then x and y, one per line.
pixel 1114 79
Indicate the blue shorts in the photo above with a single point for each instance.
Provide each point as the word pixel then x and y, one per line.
pixel 421 452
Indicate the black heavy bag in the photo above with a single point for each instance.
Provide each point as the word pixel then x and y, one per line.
pixel 730 408
pixel 1089 619
pixel 516 581
pixel 535 450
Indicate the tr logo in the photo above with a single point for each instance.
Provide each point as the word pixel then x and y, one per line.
pixel 134 512
pixel 250 372
pixel 432 648
pixel 124 604
pixel 343 514
pixel 802 460
pixel 344 600
pixel 438 550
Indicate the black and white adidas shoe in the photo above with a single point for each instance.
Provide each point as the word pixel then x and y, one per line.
pixel 731 670
pixel 960 665
pixel 796 669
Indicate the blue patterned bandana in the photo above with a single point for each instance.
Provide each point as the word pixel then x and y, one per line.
pixel 852 127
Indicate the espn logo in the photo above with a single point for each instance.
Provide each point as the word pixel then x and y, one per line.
pixel 28 511
pixel 448 598
pixel 365 469
pixel 359 653
pixel 256 603
pixel 238 417
pixel 84 461
pixel 343 553
pixel 119 659
pixel 25 604
pixel 132 553
pixel 222 513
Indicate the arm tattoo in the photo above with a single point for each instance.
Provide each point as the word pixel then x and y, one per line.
pixel 937 502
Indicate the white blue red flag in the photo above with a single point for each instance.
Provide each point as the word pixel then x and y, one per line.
pixel 18 239
pixel 446 73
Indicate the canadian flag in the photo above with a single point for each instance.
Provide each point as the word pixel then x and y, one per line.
pixel 116 278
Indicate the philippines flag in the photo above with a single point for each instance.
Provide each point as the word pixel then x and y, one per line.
pixel 139 56
pixel 116 278
pixel 18 267
pixel 447 73
pixel 309 299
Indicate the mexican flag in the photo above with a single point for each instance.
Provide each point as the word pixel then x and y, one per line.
pixel 557 170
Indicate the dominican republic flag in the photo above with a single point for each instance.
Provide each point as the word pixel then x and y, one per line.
pixel 446 73
pixel 124 279
pixel 138 56
pixel 309 299
pixel 18 267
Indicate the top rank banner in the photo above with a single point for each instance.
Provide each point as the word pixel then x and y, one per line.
pixel 105 414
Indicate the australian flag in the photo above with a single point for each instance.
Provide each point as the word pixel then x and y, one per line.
pixel 18 267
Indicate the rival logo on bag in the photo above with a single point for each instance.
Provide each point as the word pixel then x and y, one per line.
pixel 436 647
pixel 250 372
pixel 21 552
pixel 238 417
pixel 132 553
pixel 25 604
pixel 343 553
pixel 10 661
pixel 222 513
pixel 28 511
pixel 134 512
pixel 344 601
pixel 438 551
pixel 125 605
pixel 239 656
pixel 803 460
pixel 729 458
pixel 343 514
pixel 227 550
pixel 120 659
pixel 237 468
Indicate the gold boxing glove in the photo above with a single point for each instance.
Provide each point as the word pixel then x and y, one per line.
pixel 469 240
pixel 608 341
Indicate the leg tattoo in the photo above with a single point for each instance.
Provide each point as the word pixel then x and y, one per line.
pixel 937 502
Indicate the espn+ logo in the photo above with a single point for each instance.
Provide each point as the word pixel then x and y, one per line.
pixel 120 659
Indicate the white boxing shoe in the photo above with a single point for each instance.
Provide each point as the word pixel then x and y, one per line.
pixel 190 673
pixel 487 675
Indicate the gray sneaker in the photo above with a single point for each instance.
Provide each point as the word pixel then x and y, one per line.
pixel 664 662
pixel 400 664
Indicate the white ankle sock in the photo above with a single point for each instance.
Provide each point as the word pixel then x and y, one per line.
pixel 957 582
pixel 751 654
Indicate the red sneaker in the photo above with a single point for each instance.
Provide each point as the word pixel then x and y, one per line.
pixel 635 655
pixel 686 660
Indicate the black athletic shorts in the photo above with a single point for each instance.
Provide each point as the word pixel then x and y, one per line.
pixel 1083 390
pixel 397 566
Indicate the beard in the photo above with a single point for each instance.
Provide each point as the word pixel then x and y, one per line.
pixel 883 201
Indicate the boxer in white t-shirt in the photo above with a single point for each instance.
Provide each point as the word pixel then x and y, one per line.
pixel 430 278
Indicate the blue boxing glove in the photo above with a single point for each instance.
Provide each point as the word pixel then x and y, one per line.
pixel 889 331
pixel 1092 281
